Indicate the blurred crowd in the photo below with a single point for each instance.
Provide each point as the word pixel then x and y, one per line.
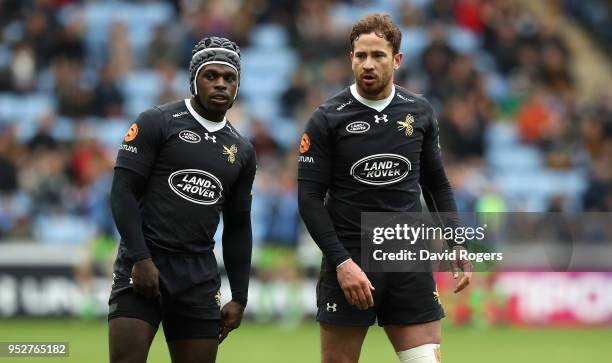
pixel 595 16
pixel 73 74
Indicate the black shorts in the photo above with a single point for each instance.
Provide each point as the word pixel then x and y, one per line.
pixel 400 298
pixel 189 304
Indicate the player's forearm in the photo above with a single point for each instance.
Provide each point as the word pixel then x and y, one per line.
pixel 237 248
pixel 318 222
pixel 437 191
pixel 439 197
pixel 126 212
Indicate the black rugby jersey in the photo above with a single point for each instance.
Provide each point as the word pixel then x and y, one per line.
pixel 194 168
pixel 372 160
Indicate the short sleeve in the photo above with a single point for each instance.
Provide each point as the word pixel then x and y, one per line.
pixel 241 192
pixel 316 148
pixel 141 143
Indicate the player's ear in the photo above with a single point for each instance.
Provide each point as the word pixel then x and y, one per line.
pixel 397 60
pixel 351 56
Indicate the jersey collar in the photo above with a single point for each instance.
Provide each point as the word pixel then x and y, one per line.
pixel 378 105
pixel 210 126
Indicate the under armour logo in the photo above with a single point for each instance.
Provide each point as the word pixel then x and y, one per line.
pixel 213 138
pixel 377 118
pixel 331 307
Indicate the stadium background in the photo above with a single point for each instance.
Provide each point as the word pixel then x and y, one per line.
pixel 521 89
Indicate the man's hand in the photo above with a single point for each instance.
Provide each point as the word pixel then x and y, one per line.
pixel 355 285
pixel 461 264
pixel 231 317
pixel 145 278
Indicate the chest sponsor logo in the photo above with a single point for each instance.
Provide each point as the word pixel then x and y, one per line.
pixel 358 127
pixel 197 186
pixel 381 169
pixel 189 136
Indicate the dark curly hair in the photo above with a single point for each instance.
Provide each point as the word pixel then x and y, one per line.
pixel 381 25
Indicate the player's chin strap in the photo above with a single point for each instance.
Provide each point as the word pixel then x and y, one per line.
pixel 426 353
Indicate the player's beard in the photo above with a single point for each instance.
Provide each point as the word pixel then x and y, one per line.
pixel 374 90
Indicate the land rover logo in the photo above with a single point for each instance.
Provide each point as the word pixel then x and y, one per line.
pixel 381 169
pixel 189 136
pixel 196 186
pixel 358 127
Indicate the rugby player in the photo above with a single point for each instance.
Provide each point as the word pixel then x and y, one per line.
pixel 378 121
pixel 180 166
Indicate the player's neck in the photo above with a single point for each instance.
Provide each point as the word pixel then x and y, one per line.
pixel 384 93
pixel 202 111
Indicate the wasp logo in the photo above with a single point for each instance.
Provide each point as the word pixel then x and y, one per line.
pixel 230 152
pixel 331 307
pixel 406 125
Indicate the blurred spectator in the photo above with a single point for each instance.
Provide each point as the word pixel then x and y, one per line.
pixel 74 96
pixel 119 52
pixel 42 139
pixel 107 99
pixel 42 31
pixel 595 16
pixel 44 177
pixel 315 26
pixel 168 72
pixel 295 94
pixel 283 221
pixel 441 10
pixel 436 60
pixel 164 47
pixel 70 42
pixel 8 162
pixel 265 146
pixel 468 15
pixel 536 118
pixel 23 67
pixel 463 129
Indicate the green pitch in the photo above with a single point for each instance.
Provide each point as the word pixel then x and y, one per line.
pixel 268 343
